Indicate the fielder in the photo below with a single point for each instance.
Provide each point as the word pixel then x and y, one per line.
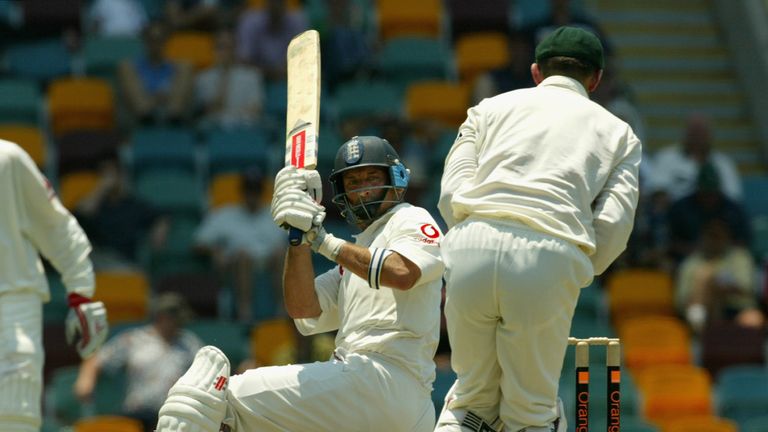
pixel 383 298
pixel 33 221
pixel 539 191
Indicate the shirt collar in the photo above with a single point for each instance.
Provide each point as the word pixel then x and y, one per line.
pixel 372 229
pixel 566 83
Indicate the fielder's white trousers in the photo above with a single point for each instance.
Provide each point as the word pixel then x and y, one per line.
pixel 510 297
pixel 354 394
pixel 21 361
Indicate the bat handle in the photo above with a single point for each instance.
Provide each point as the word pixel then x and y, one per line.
pixel 294 236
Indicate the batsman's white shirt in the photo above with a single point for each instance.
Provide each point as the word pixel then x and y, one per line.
pixel 32 221
pixel 382 374
pixel 540 190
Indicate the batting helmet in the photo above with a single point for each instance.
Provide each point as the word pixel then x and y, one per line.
pixel 363 151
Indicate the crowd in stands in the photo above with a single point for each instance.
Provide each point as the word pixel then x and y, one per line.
pixel 179 153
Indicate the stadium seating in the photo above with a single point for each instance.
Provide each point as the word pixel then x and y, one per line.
pixel 409 18
pixel 273 342
pixel 742 392
pixel 480 52
pixel 172 192
pixel 236 150
pixel 200 289
pixel 672 391
pixel 408 59
pixel 103 54
pixel 177 255
pixel 30 138
pixel 108 423
pixel 699 424
pixel 367 99
pixel 655 340
pixel 39 60
pixel 83 150
pixel 756 424
pixel 163 148
pixel 124 293
pixel 20 101
pixel 636 424
pixel 194 48
pixel 442 101
pixel 74 187
pixel 639 292
pixel 230 337
pixel 80 103
pixel 224 189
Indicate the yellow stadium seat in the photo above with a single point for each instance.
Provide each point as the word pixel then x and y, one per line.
pixel 76 186
pixel 480 52
pixel 124 293
pixel 639 292
pixel 110 423
pixel 699 424
pixel 409 18
pixel 195 48
pixel 260 4
pixel 671 392
pixel 654 340
pixel 225 189
pixel 441 101
pixel 273 342
pixel 80 103
pixel 30 138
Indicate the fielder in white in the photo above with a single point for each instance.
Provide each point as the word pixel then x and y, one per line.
pixel 383 298
pixel 539 191
pixel 33 221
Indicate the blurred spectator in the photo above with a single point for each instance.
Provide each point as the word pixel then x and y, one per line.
pixel 263 36
pixel 153 357
pixel 243 241
pixel 515 75
pixel 201 15
pixel 688 215
pixel 117 17
pixel 156 90
pixel 561 13
pixel 676 166
pixel 229 93
pixel 716 282
pixel 117 222
pixel 346 52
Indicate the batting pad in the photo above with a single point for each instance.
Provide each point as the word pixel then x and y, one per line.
pixel 197 402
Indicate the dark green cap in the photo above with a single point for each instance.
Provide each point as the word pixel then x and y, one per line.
pixel 572 42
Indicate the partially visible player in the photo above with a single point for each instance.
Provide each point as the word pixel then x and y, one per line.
pixel 539 191
pixel 33 221
pixel 383 297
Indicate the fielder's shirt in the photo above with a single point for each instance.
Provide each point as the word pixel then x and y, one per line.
pixel 404 326
pixel 552 159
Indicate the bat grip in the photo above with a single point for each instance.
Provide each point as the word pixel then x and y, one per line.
pixel 294 236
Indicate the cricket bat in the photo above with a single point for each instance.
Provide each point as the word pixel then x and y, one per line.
pixel 302 117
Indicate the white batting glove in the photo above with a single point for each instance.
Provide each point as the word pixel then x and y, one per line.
pixel 294 208
pixel 323 242
pixel 291 177
pixel 86 324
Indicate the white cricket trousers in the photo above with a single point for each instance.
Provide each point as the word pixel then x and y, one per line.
pixel 359 393
pixel 21 361
pixel 510 297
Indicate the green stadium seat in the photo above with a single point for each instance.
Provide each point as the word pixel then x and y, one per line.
pixel 173 192
pixel 103 54
pixel 163 148
pixel 41 60
pixel 20 101
pixel 367 99
pixel 232 338
pixel 404 60
pixel 237 149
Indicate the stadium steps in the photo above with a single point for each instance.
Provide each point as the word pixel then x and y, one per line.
pixel 673 57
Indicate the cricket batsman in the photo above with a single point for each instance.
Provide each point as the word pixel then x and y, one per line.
pixel 33 221
pixel 383 298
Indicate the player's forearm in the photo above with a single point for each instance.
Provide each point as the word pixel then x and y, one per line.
pixel 396 272
pixel 299 284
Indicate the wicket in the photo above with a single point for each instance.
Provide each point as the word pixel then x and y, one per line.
pixel 613 378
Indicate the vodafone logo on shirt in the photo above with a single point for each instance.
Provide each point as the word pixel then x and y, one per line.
pixel 431 233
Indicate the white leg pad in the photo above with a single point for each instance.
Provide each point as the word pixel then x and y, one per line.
pixel 197 402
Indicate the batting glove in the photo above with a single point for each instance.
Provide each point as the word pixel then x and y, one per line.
pixel 86 324
pixel 294 208
pixel 291 177
pixel 323 242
